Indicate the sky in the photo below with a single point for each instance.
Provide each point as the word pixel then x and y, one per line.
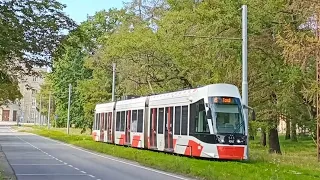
pixel 79 9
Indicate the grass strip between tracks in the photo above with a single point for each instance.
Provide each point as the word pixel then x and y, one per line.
pixel 298 160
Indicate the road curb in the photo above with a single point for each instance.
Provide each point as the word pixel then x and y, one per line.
pixel 6 170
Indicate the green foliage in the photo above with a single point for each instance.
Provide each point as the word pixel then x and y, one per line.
pixel 9 91
pixel 151 42
pixel 29 35
pixel 44 95
pixel 72 66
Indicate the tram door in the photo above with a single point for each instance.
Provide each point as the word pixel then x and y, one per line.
pixel 101 126
pixel 153 128
pixel 109 129
pixel 128 123
pixel 168 136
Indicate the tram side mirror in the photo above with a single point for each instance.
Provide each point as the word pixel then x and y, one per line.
pixel 209 115
pixel 253 115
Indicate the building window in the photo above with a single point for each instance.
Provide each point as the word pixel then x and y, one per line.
pixel 34 91
pixel 33 101
pixel 32 114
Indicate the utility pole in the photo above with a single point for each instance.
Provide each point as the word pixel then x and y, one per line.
pixel 49 110
pixel 40 111
pixel 245 67
pixel 318 93
pixel 68 122
pixel 113 80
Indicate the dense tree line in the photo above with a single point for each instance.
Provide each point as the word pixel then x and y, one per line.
pixel 148 41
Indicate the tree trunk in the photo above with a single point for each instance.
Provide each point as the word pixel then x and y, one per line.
pixel 274 145
pixel 263 139
pixel 251 137
pixel 288 129
pixel 294 132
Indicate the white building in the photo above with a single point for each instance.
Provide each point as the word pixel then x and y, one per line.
pixel 25 108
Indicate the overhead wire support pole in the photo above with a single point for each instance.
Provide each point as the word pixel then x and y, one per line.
pixel 40 111
pixel 69 100
pixel 49 110
pixel 113 81
pixel 318 93
pixel 245 67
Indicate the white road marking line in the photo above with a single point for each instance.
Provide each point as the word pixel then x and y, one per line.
pixel 49 155
pixel 51 175
pixel 134 165
pixel 26 158
pixel 91 176
pixel 37 164
pixel 10 144
pixel 41 155
pixel 14 145
pixel 76 168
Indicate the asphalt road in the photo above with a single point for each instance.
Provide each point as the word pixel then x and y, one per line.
pixel 34 157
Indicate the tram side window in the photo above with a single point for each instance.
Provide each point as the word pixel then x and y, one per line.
pixel 184 122
pixel 201 120
pixel 177 121
pixel 118 122
pixel 101 121
pixel 140 120
pixel 198 121
pixel 105 120
pixel 123 120
pixel 134 122
pixel 168 118
pixel 193 117
pixel 98 121
pixel 160 121
pixel 153 119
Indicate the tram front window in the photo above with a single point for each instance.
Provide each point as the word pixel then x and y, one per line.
pixel 227 117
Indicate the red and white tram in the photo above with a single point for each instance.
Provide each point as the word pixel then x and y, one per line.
pixel 203 122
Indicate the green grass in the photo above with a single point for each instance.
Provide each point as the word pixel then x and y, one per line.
pixel 298 160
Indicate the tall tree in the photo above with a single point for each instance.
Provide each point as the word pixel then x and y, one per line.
pixel 30 31
pixel 69 66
